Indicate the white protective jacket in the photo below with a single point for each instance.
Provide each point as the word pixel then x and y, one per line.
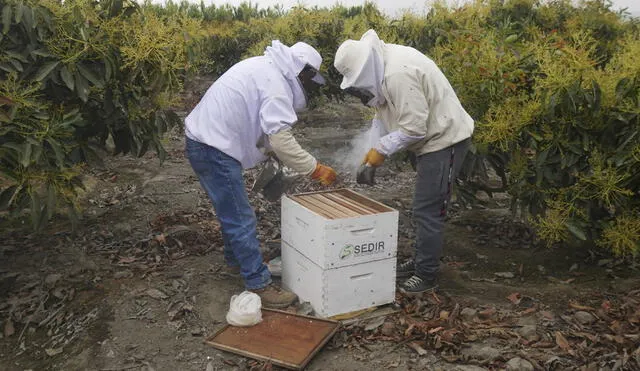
pixel 251 108
pixel 417 109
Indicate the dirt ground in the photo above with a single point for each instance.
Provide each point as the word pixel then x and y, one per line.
pixel 139 286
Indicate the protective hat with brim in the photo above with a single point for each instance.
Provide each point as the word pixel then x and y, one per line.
pixel 311 58
pixel 361 64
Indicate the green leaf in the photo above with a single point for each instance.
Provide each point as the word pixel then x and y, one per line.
pixel 6 18
pixel 542 158
pixel 45 70
pixel 4 117
pixel 597 95
pixel 535 136
pixel 576 231
pixel 89 75
pixel 629 139
pixel 41 53
pixel 19 9
pixel 57 150
pixel 115 7
pixel 6 196
pixel 82 87
pixel 25 159
pixel 623 88
pixel 511 38
pixel 16 147
pixel 67 77
pixel 16 64
pixel 36 153
pixel 28 18
pixel 17 56
pixel 71 117
pixel 8 67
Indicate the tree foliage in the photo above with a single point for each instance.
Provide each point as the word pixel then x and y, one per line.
pixel 73 74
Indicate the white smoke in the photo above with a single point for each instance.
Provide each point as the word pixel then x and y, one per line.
pixel 350 157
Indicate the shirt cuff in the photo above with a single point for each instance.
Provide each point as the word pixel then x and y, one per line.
pixel 395 141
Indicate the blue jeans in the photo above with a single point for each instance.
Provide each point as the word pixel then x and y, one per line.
pixel 221 177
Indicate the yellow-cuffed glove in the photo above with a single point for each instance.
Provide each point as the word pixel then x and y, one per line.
pixel 373 158
pixel 324 174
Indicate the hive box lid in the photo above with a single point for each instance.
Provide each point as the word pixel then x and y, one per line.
pixel 285 339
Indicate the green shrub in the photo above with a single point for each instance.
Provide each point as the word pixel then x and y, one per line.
pixel 71 75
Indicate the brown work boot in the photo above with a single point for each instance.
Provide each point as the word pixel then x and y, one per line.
pixel 275 297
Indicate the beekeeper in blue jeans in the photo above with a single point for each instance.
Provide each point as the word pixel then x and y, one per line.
pixel 247 113
pixel 416 110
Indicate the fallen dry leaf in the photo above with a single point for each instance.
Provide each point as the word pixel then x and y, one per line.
pixel 577 306
pixel 374 324
pixel 504 274
pixel 529 310
pixel 230 362
pixel 418 349
pixel 515 298
pixel 53 351
pixel 487 313
pixel 617 338
pixel 586 335
pixel 616 327
pixel 161 239
pixel 548 315
pixel 127 260
pixel 409 330
pixel 436 298
pixel 556 280
pixel 449 335
pixel 436 329
pixel 444 315
pixel 8 328
pixel 543 344
pixel 156 294
pixel 563 343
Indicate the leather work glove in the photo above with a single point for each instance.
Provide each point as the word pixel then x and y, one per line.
pixel 324 174
pixel 373 158
pixel 367 171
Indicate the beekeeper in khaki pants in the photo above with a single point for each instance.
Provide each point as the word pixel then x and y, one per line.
pixel 246 113
pixel 418 111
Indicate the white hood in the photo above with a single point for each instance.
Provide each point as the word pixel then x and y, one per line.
pixel 362 65
pixel 291 61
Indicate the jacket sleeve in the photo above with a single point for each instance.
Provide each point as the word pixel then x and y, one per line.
pixel 288 150
pixel 277 116
pixel 277 113
pixel 408 96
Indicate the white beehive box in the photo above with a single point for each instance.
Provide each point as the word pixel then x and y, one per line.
pixel 339 250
